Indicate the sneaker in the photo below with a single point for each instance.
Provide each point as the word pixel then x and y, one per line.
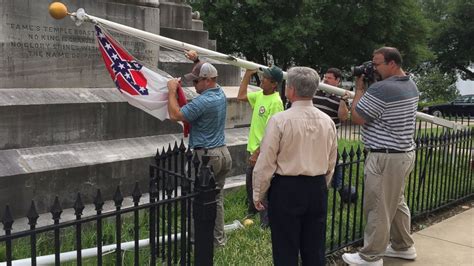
pixel 355 259
pixel 409 254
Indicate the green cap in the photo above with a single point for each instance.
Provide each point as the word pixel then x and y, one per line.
pixel 273 72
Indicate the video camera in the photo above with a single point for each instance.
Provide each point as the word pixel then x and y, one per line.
pixel 366 69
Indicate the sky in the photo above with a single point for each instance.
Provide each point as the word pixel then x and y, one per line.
pixel 465 86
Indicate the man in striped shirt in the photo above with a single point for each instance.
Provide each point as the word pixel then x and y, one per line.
pixel 330 104
pixel 387 112
pixel 336 108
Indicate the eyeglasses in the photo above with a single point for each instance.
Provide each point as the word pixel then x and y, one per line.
pixel 378 64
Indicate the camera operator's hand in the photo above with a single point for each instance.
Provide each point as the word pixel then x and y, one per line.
pixel 346 96
pixel 360 83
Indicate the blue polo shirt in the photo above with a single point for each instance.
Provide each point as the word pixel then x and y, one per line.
pixel 206 114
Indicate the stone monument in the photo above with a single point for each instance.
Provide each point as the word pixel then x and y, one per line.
pixel 63 127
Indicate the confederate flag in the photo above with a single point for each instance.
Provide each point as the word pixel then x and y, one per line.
pixel 140 86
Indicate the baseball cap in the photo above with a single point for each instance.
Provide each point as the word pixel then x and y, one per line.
pixel 202 70
pixel 273 72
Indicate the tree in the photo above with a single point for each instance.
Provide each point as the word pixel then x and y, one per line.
pixel 352 31
pixel 453 34
pixel 316 33
pixel 260 30
pixel 434 85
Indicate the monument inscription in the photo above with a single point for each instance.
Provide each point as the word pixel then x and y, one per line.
pixel 57 42
pixel 40 52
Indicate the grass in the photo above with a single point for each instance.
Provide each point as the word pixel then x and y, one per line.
pixel 246 246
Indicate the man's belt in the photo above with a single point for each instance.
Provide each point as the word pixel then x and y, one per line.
pixel 202 148
pixel 387 151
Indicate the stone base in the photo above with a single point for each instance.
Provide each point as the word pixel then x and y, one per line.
pixel 42 173
pixel 56 142
pixel 45 117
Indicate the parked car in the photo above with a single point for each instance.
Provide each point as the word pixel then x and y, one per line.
pixel 462 106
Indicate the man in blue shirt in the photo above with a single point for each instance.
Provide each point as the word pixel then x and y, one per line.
pixel 206 114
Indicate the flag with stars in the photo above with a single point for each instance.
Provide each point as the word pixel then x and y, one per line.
pixel 140 86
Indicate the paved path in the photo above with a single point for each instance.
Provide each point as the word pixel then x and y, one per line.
pixel 450 242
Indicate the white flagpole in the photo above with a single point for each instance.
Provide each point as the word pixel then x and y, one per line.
pixel 80 16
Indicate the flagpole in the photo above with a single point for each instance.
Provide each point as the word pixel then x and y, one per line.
pixel 81 16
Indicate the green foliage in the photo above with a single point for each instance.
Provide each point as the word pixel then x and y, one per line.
pixel 316 33
pixel 453 34
pixel 434 85
pixel 351 31
pixel 258 29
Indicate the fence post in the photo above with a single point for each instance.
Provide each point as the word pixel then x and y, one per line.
pixel 204 214
pixel 7 221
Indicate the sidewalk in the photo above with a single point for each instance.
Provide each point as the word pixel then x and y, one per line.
pixel 450 242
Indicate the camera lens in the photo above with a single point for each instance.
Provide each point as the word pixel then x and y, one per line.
pixel 358 70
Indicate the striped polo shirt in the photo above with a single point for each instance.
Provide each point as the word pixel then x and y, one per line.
pixel 329 104
pixel 389 109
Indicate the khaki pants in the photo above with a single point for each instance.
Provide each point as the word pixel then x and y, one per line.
pixel 221 163
pixel 386 212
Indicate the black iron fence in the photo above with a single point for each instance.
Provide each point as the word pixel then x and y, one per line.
pixel 442 176
pixel 350 131
pixel 179 183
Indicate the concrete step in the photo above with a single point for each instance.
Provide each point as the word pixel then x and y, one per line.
pixel 41 173
pixel 176 65
pixel 21 224
pixel 196 37
pixel 197 24
pixel 46 117
pixel 175 15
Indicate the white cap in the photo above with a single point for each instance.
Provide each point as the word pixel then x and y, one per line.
pixel 202 70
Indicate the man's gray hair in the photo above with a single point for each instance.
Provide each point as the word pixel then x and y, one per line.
pixel 305 80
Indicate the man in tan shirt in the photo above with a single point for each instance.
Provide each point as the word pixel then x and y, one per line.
pixel 295 166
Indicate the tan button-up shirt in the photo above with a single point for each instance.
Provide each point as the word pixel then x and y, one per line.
pixel 299 141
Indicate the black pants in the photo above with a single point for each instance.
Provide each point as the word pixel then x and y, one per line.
pixel 297 212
